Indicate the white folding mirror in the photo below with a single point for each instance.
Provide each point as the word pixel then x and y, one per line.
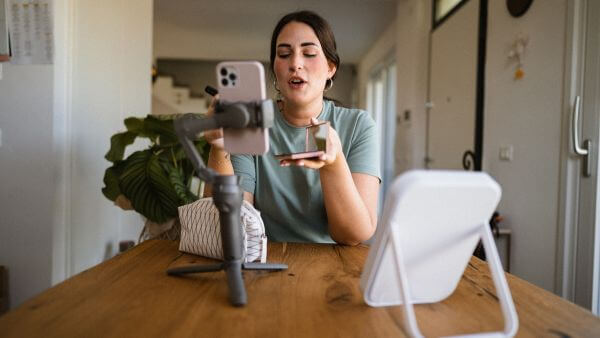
pixel 431 224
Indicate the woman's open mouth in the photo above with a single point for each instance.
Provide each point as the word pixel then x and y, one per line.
pixel 296 82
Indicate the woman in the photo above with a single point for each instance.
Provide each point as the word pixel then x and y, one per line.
pixel 334 197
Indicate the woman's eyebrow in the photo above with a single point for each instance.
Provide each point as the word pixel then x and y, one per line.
pixel 304 44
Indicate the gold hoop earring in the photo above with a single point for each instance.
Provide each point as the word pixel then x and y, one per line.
pixel 328 84
pixel 275 85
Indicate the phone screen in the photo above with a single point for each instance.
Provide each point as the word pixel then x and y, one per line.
pixel 315 143
pixel 316 137
pixel 243 81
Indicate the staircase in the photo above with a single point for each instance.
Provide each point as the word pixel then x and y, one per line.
pixel 169 99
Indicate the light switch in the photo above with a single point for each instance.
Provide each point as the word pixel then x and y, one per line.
pixel 506 153
pixel 0 70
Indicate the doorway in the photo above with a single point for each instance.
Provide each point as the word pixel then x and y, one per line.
pixel 381 102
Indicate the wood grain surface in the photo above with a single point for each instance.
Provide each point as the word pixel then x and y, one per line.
pixel 318 296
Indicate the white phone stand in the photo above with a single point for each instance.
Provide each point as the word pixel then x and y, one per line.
pixel 431 224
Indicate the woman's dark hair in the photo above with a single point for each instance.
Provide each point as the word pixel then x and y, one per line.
pixel 319 26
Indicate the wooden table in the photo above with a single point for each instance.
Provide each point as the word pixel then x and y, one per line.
pixel 318 296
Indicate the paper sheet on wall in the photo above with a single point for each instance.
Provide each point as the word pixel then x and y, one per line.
pixel 30 31
pixel 4 50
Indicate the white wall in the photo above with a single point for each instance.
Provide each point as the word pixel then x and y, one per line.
pixel 527 114
pixel 56 123
pixel 412 50
pixel 111 81
pixel 27 178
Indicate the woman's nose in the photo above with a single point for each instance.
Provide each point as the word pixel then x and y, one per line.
pixel 296 62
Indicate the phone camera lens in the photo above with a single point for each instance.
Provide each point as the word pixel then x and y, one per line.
pixel 224 71
pixel 224 82
pixel 232 77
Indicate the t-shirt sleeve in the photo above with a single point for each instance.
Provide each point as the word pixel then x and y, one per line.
pixel 243 166
pixel 363 154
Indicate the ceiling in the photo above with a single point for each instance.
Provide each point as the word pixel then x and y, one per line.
pixel 236 29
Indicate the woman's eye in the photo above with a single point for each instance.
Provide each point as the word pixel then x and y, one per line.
pixel 283 56
pixel 310 55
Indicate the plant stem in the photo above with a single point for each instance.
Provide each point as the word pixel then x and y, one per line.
pixel 173 158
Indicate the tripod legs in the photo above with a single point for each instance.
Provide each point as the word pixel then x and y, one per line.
pixel 182 270
pixel 233 269
pixel 264 266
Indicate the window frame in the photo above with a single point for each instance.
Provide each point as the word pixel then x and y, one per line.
pixel 382 112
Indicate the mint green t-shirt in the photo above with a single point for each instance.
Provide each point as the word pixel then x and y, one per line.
pixel 290 199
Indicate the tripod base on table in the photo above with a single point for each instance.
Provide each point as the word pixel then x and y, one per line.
pixel 237 291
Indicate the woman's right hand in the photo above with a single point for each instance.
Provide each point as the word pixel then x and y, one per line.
pixel 215 136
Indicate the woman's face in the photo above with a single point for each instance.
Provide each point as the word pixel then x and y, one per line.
pixel 300 65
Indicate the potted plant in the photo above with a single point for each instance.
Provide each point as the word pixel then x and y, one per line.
pixel 156 180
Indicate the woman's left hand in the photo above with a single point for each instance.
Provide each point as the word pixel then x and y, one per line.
pixel 334 149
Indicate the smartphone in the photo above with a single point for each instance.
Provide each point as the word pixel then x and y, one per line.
pixel 315 143
pixel 243 81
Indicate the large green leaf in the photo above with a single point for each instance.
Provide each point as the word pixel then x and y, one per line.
pixel 158 130
pixel 146 184
pixel 139 126
pixel 118 142
pixel 201 146
pixel 134 124
pixel 180 185
pixel 111 188
pixel 178 153
pixel 169 117
pixel 163 128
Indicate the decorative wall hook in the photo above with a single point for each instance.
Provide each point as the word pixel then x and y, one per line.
pixel 517 53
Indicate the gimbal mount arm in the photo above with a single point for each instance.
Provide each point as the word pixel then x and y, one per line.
pixel 228 115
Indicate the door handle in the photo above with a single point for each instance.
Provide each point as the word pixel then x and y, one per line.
pixel 586 150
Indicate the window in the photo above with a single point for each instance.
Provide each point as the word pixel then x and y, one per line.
pixel 381 102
